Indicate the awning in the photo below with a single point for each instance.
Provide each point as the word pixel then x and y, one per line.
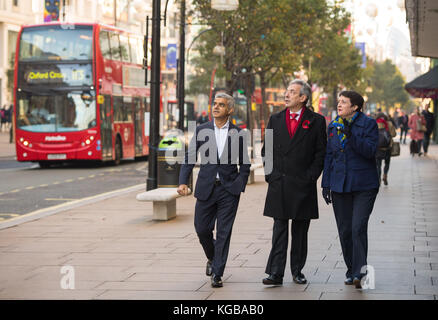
pixel 423 23
pixel 425 86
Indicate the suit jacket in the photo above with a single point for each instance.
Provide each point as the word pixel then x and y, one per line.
pixel 353 168
pixel 235 152
pixel 297 164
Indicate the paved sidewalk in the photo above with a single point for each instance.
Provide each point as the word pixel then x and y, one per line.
pixel 118 252
pixel 6 149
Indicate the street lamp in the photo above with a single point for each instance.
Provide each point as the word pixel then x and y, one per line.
pixel 155 78
pixel 155 96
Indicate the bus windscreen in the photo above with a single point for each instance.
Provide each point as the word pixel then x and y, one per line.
pixel 56 43
pixel 60 112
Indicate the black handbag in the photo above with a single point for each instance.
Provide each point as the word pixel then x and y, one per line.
pixel 395 149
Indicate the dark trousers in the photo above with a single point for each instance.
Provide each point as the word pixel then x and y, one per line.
pixel 405 132
pixel 220 209
pixel 426 142
pixel 298 252
pixel 419 145
pixel 352 212
pixel 387 160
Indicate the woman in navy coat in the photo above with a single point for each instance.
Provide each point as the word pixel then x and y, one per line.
pixel 350 180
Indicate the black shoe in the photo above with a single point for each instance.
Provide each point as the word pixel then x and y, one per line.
pixel 348 281
pixel 273 280
pixel 356 282
pixel 300 279
pixel 216 281
pixel 208 268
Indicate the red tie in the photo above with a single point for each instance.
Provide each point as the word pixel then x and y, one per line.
pixel 294 123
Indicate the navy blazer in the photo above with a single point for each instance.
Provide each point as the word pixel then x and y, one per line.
pixel 353 168
pixel 235 152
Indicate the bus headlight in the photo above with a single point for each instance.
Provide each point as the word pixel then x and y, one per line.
pixel 25 143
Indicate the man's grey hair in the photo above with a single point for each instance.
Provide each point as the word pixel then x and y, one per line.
pixel 230 99
pixel 305 88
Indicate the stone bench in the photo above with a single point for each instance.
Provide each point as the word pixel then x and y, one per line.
pixel 164 202
pixel 254 167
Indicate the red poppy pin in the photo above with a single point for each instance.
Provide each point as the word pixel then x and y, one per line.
pixel 306 124
pixel 331 134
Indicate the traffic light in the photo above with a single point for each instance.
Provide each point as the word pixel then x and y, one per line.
pixel 245 82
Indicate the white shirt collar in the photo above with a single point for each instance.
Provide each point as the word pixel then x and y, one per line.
pixel 298 112
pixel 225 126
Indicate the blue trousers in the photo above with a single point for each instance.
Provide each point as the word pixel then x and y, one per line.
pixel 220 209
pixel 352 212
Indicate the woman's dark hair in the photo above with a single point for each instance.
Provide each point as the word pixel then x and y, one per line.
pixel 355 98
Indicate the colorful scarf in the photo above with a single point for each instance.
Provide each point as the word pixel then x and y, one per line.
pixel 338 123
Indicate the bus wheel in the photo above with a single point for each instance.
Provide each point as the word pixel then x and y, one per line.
pixel 118 152
pixel 44 164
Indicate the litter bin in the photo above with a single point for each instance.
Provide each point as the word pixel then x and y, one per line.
pixel 169 162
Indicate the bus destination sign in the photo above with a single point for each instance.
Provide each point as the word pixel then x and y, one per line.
pixel 58 74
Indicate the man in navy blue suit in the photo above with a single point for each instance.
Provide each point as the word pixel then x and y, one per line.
pixel 222 147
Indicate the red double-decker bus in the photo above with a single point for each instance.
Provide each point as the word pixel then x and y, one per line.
pixel 79 94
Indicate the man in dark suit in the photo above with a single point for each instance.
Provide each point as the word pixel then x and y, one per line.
pixel 222 146
pixel 297 159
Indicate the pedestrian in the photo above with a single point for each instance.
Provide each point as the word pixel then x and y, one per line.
pixel 8 116
pixel 430 124
pixel 203 118
pixel 403 121
pixel 219 183
pixel 387 132
pixel 417 123
pixel 350 180
pixel 3 120
pixel 296 156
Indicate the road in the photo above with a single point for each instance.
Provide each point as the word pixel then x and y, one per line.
pixel 25 187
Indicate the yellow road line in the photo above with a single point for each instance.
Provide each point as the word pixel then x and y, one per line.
pixel 69 180
pixel 14 191
pixel 43 185
pixel 30 188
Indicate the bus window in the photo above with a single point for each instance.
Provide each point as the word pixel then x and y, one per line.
pixel 127 111
pixel 115 46
pixel 118 108
pixel 140 52
pixel 55 43
pixel 134 51
pixel 105 45
pixel 124 48
pixel 61 112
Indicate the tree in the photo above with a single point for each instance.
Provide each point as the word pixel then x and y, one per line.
pixel 331 58
pixel 387 85
pixel 265 37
